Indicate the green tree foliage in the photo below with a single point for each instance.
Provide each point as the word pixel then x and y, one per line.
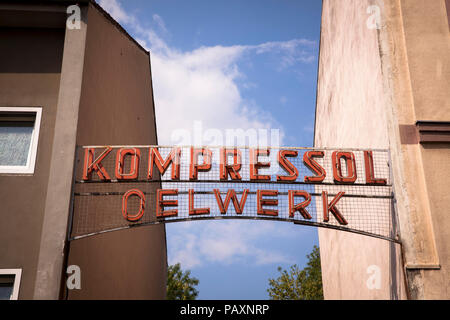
pixel 299 284
pixel 180 286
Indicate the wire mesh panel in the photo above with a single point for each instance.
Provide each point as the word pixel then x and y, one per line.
pixel 123 187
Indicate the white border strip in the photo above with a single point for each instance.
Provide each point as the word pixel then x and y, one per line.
pixel 32 152
pixel 17 277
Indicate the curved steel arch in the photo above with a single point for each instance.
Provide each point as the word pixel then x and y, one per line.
pixel 394 238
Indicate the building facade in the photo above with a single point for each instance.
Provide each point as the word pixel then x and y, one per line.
pixel 62 86
pixel 383 82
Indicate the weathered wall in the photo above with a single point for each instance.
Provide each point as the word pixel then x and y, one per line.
pixel 385 81
pixel 427 43
pixel 437 173
pixel 117 109
pixel 349 80
pixel 351 112
pixel 30 66
pixel 416 65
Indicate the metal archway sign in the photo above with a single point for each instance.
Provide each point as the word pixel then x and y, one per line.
pixel 117 187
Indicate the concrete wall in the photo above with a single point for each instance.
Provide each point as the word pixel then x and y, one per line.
pixel 416 65
pixel 102 78
pixel 375 85
pixel 349 79
pixel 30 66
pixel 351 112
pixel 117 108
pixel 427 42
pixel 54 226
pixel 437 172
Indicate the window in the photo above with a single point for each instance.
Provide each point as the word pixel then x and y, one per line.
pixel 19 133
pixel 10 283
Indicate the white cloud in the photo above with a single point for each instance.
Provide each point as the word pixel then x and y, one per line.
pixel 202 85
pixel 160 23
pixel 225 242
pixel 116 11
pixel 291 51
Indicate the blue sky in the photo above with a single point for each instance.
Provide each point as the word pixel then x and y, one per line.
pixel 226 65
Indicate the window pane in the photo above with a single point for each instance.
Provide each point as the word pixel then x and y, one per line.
pixel 5 291
pixel 15 139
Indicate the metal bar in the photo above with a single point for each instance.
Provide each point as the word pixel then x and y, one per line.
pixel 299 222
pixel 230 147
pixel 315 194
pixel 235 181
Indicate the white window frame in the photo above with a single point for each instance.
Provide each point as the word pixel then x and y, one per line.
pixel 32 152
pixel 17 273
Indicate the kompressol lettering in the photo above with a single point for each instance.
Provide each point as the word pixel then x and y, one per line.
pixel 227 171
pixel 346 189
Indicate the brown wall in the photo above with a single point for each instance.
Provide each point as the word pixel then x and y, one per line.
pixel 117 108
pixel 30 66
pixel 125 264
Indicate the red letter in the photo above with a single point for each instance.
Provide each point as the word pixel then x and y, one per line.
pixel 120 163
pixel 350 164
pixel 287 165
pixel 231 195
pixel 160 203
pixel 266 202
pixel 195 167
pixel 155 158
pixel 192 210
pixel 301 207
pixel 232 169
pixel 314 166
pixel 125 197
pixel 331 207
pixel 255 165
pixel 370 174
pixel 96 165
